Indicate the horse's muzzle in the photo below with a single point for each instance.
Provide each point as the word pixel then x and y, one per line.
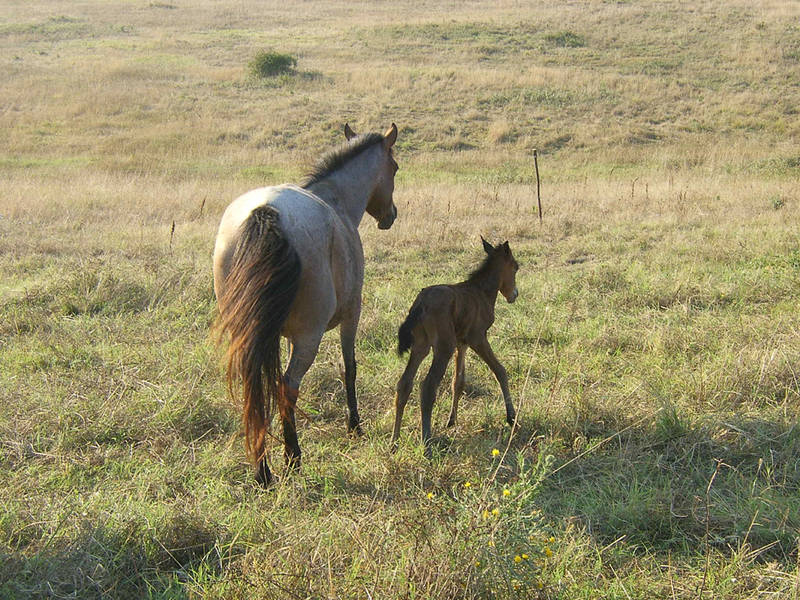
pixel 512 296
pixel 388 220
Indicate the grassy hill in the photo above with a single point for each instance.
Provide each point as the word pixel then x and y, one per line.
pixel 653 353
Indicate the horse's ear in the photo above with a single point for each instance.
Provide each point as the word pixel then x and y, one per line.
pixel 390 137
pixel 506 247
pixel 487 246
pixel 349 133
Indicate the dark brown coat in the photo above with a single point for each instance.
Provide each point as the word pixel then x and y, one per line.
pixel 450 318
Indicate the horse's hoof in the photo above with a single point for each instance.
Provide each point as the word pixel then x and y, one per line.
pixel 263 475
pixel 293 462
pixel 355 430
pixel 451 423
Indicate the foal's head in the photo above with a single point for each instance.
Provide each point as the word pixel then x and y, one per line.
pixel 505 264
pixel 380 205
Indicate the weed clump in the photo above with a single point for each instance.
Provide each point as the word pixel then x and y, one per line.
pixel 503 534
pixel 268 63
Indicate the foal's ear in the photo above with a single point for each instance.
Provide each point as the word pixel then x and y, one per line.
pixel 506 247
pixel 487 246
pixel 349 133
pixel 390 137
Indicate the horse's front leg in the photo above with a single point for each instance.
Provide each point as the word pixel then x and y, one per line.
pixel 301 355
pixel 484 350
pixel 458 383
pixel 347 332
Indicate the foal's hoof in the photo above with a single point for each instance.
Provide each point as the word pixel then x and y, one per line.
pixel 451 422
pixel 354 429
pixel 511 419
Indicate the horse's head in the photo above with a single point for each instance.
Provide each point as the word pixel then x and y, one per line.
pixel 505 263
pixel 380 205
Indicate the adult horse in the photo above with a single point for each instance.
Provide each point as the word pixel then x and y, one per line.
pixel 288 262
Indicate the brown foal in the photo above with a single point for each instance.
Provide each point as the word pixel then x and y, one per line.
pixel 450 318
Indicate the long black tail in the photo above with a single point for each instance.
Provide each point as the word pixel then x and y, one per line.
pixel 259 291
pixel 405 336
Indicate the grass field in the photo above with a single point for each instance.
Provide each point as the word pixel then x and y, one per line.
pixel 653 354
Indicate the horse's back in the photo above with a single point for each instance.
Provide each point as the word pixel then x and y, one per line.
pixel 450 310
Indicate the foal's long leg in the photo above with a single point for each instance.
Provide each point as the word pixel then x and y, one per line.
pixel 441 356
pixel 347 333
pixel 301 356
pixel 458 383
pixel 404 386
pixel 484 350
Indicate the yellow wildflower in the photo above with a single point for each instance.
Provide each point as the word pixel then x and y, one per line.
pixel 506 492
pixel 495 512
pixel 495 451
pixel 525 557
pixel 552 539
pixel 430 495
pixel 485 514
pixel 539 584
pixel 517 559
pixel 477 563
pixel 547 552
pixel 491 544
pixel 467 484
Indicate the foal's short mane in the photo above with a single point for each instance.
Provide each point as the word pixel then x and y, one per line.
pixel 482 271
pixel 336 158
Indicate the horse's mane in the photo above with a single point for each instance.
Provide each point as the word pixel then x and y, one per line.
pixel 481 272
pixel 336 158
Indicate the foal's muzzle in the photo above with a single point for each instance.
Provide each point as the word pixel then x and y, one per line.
pixel 512 296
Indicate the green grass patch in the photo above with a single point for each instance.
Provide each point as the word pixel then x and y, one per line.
pixel 565 39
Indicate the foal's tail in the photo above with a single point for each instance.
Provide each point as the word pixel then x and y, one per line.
pixel 405 336
pixel 259 291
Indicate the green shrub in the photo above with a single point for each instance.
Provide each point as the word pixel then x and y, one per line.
pixel 270 64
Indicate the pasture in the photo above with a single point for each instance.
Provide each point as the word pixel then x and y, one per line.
pixel 653 352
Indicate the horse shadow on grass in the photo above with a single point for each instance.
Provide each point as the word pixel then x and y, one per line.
pixel 106 561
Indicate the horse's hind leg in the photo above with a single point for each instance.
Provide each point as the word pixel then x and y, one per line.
pixel 404 386
pixel 288 402
pixel 441 356
pixel 458 383
pixel 301 356
pixel 263 474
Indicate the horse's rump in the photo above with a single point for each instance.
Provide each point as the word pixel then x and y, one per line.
pixel 260 288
